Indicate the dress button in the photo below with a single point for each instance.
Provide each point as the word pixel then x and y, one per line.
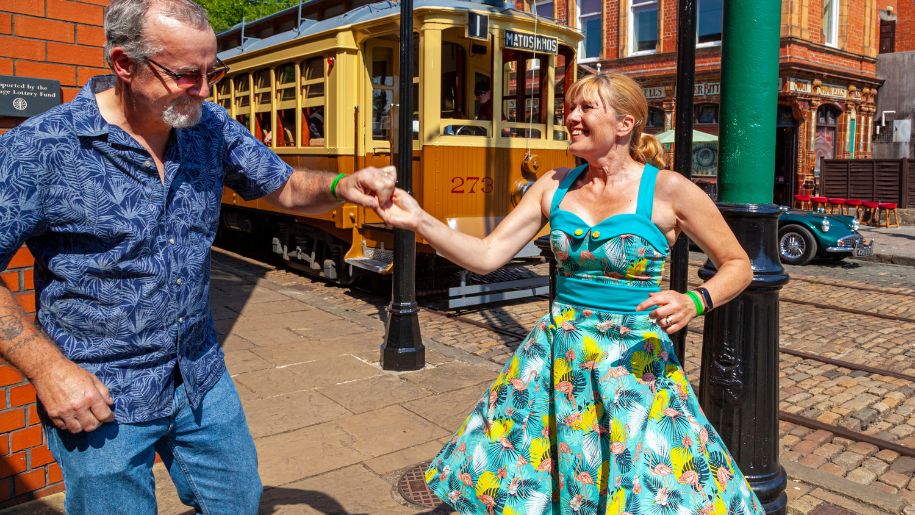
pixel 595 234
pixel 579 232
pixel 178 281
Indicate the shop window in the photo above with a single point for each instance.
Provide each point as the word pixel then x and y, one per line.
pixel 589 22
pixel 655 118
pixel 708 30
pixel 825 137
pixel 830 22
pixel 827 116
pixel 312 92
pixel 705 114
pixel 544 9
pixel 643 26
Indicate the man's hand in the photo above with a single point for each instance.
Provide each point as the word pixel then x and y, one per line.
pixel 369 187
pixel 74 399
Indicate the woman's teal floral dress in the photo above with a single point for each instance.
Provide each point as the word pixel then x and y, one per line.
pixel 593 413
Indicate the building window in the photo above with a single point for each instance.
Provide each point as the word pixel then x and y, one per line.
pixel 643 26
pixel 708 28
pixel 544 9
pixel 589 22
pixel 705 114
pixel 830 22
pixel 825 137
pixel 655 118
pixel 887 36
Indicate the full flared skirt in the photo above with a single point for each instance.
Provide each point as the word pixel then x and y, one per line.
pixel 592 415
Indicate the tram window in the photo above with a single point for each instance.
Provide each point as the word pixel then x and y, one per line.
pixel 521 100
pixel 561 78
pixel 224 94
pixel 454 63
pixel 262 87
pixel 242 91
pixel 263 128
pixel 313 101
pixel 285 82
pixel 243 119
pixel 285 128
pixel 382 92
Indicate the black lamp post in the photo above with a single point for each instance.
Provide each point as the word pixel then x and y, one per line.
pixel 403 346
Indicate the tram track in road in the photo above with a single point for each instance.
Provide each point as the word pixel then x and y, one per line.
pixel 783 415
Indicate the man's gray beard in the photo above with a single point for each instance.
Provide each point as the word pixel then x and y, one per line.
pixel 183 113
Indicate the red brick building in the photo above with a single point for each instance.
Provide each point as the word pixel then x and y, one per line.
pixel 827 82
pixel 59 40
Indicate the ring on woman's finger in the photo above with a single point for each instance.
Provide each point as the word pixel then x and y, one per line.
pixel 667 321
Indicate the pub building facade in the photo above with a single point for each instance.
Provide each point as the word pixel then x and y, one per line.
pixel 827 79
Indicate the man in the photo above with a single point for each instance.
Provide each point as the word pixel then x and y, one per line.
pixel 483 93
pixel 117 195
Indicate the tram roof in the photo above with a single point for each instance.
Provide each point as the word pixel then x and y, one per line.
pixel 363 13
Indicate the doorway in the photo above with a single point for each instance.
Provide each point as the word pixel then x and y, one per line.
pixel 785 156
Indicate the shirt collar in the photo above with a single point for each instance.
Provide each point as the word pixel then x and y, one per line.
pixel 87 119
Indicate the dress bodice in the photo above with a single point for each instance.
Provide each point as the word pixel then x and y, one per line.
pixel 614 264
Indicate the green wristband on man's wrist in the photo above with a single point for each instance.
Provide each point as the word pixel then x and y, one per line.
pixel 333 185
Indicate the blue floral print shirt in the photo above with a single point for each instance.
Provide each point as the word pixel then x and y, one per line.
pixel 122 260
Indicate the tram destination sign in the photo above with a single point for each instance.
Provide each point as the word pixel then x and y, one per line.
pixel 21 97
pixel 531 42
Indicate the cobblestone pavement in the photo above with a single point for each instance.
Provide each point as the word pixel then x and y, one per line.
pixel 873 404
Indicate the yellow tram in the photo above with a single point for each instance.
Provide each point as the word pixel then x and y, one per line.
pixel 318 84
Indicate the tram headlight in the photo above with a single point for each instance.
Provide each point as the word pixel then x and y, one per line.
pixel 824 225
pixel 519 189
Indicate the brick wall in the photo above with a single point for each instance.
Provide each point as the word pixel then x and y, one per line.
pixel 905 26
pixel 47 39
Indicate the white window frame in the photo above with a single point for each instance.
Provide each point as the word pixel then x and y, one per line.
pixel 831 38
pixel 538 3
pixel 641 5
pixel 581 26
pixel 698 17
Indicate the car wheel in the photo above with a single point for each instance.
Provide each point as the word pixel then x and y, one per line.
pixel 796 246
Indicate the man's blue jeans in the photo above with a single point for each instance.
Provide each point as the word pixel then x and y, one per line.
pixel 209 454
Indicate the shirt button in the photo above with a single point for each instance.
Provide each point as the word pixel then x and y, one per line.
pixel 595 234
pixel 579 232
pixel 178 281
pixel 171 241
pixel 147 163
pixel 180 320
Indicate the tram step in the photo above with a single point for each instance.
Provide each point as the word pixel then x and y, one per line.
pixel 379 266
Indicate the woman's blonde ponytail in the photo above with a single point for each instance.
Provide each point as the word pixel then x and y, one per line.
pixel 648 150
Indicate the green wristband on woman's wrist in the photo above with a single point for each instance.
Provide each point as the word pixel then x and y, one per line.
pixel 700 309
pixel 333 185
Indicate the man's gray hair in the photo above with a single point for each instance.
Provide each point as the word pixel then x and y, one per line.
pixel 125 24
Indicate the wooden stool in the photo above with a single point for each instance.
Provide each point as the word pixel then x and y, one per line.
pixel 819 202
pixel 869 209
pixel 836 205
pixel 884 210
pixel 802 201
pixel 856 204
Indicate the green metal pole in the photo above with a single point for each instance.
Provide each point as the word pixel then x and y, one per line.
pixel 749 100
pixel 739 379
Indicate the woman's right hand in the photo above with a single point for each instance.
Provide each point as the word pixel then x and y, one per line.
pixel 401 211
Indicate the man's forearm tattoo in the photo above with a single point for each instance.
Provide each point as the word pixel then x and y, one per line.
pixel 10 326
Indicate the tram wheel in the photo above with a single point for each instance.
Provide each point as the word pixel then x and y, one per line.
pixel 796 245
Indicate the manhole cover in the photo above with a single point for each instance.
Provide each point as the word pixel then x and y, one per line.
pixel 412 487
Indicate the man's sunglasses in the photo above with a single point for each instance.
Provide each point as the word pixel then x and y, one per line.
pixel 187 80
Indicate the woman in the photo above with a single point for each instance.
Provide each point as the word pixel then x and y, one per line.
pixel 593 413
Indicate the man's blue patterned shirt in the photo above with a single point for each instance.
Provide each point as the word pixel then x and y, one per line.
pixel 122 260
